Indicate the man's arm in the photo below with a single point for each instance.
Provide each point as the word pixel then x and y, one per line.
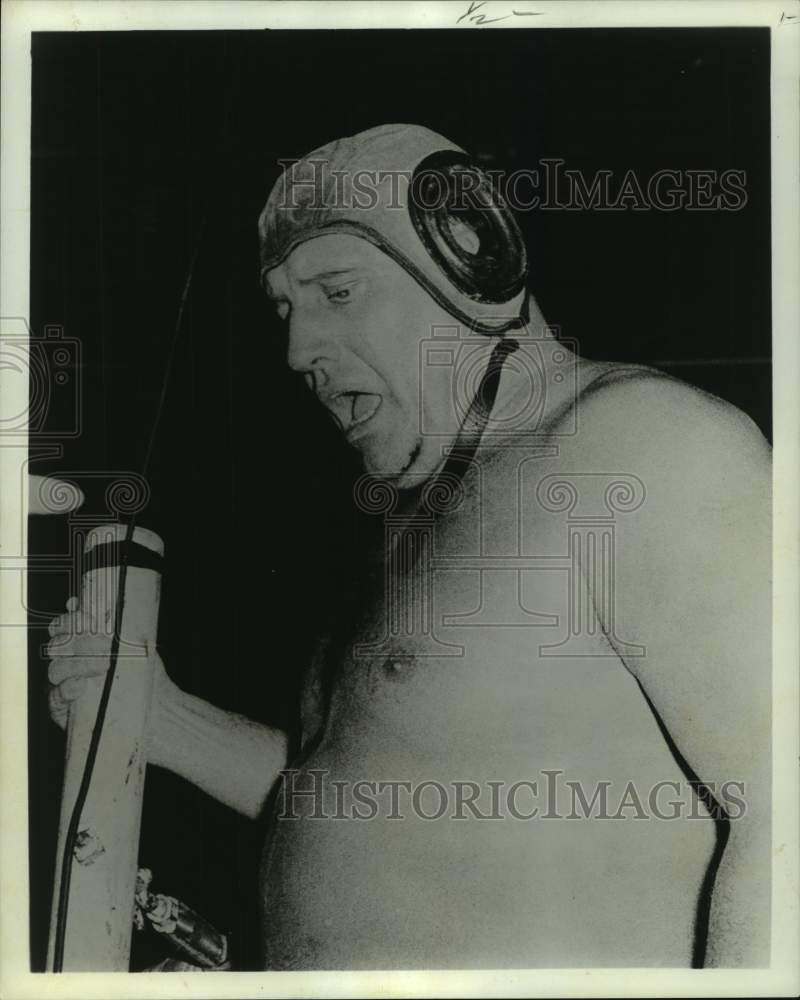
pixel 228 756
pixel 693 586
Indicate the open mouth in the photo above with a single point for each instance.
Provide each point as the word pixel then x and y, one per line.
pixel 352 409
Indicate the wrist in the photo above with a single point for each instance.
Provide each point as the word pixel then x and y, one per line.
pixel 167 702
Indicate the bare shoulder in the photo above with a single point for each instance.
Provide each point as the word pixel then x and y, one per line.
pixel 641 416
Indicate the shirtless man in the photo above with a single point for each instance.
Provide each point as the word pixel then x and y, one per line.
pixel 572 601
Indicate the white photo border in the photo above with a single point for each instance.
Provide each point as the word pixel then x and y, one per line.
pixel 20 19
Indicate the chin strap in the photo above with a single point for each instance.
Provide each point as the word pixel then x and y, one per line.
pixel 437 494
pixel 474 424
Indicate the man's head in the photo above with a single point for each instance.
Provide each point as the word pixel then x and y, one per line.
pixel 369 246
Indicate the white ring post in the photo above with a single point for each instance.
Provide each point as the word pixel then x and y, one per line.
pixel 101 899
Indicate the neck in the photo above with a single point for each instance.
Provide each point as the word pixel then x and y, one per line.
pixel 513 395
pixel 535 382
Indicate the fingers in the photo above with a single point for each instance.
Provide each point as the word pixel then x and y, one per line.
pixel 73 641
pixel 83 665
pixel 71 689
pixel 76 649
pixel 76 652
pixel 61 697
pixel 61 625
pixel 59 708
pixel 74 622
pixel 60 622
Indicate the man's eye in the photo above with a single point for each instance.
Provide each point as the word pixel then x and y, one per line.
pixel 339 294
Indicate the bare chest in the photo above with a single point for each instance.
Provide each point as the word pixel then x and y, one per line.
pixel 478 667
pixel 481 617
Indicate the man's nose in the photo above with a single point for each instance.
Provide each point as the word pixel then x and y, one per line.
pixel 311 347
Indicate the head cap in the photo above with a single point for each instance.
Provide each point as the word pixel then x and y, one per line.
pixel 407 191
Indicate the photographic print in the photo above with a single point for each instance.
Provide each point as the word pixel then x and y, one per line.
pixel 395 574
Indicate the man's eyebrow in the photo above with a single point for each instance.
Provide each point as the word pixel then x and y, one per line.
pixel 324 275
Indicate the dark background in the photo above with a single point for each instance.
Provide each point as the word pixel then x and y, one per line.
pixel 138 137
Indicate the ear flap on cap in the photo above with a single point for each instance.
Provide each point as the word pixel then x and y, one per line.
pixel 449 191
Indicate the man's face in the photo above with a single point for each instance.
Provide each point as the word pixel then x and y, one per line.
pixel 355 323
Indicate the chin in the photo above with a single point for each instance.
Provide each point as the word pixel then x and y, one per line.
pixel 394 461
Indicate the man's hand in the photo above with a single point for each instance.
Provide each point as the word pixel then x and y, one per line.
pixel 231 758
pixel 78 650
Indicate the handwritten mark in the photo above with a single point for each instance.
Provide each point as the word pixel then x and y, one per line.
pixel 475 15
pixel 786 18
pixel 478 18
